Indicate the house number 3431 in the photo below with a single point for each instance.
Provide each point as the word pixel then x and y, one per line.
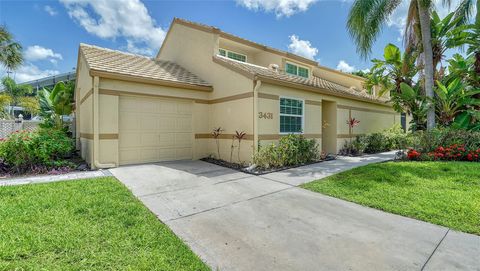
pixel 265 115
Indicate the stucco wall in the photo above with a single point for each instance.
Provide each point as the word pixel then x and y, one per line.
pixel 83 111
pixel 231 102
pixel 373 117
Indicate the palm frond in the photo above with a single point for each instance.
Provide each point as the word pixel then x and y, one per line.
pixel 464 11
pixel 365 22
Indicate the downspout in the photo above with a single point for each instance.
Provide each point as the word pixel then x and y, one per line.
pixel 96 137
pixel 257 86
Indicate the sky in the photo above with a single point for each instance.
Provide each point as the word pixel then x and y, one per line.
pixel 51 31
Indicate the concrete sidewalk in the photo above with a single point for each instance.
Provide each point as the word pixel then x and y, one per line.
pixel 235 221
pixel 309 173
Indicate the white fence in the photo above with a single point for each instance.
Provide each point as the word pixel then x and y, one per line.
pixel 9 126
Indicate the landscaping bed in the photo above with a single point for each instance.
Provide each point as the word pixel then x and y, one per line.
pixel 91 224
pixel 43 151
pixel 443 193
pixel 259 171
pixel 293 150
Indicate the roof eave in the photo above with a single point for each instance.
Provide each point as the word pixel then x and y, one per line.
pixel 151 81
pixel 274 81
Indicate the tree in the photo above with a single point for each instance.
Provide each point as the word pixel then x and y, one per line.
pixel 15 90
pixel 366 19
pixel 30 105
pixel 56 103
pixel 5 100
pixel 10 51
pixel 393 69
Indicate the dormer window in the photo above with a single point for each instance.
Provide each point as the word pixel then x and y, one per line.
pixel 297 70
pixel 232 55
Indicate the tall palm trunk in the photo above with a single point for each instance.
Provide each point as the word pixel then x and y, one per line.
pixel 424 17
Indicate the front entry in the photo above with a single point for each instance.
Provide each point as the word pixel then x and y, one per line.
pixel 329 127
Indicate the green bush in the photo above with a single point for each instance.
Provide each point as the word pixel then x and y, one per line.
pixel 354 147
pixel 22 150
pixel 291 150
pixel 375 143
pixel 428 141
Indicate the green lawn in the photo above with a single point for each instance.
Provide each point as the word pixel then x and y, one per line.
pixel 443 193
pixel 93 224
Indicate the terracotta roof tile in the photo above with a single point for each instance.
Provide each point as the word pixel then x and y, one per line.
pixel 107 60
pixel 313 81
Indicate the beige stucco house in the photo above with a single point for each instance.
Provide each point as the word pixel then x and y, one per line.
pixel 133 109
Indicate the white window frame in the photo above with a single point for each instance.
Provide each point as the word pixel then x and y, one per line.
pixel 298 66
pixel 226 54
pixel 291 115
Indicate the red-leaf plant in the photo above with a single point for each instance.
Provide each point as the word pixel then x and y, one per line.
pixel 352 122
pixel 216 134
pixel 239 136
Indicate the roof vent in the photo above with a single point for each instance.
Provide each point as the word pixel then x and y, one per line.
pixel 273 67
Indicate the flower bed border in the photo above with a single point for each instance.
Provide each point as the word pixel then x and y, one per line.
pixel 241 168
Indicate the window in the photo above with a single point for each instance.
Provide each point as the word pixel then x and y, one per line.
pixel 232 55
pixel 296 70
pixel 291 115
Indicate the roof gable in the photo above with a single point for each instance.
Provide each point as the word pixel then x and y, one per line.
pixel 125 64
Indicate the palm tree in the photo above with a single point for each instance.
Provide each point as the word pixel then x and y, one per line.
pixel 10 51
pixel 365 22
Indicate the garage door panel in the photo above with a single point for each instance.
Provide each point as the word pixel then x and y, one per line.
pixel 166 123
pixel 149 140
pixel 152 130
pixel 183 124
pixel 183 140
pixel 129 139
pixel 167 139
pixel 183 153
pixel 148 122
pixel 168 107
pixel 129 121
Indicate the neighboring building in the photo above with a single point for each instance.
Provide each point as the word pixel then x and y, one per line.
pixel 133 109
pixel 50 81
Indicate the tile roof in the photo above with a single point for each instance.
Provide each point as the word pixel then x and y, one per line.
pixel 313 81
pixel 112 61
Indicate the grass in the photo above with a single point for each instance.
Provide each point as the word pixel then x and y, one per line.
pixel 443 193
pixel 92 224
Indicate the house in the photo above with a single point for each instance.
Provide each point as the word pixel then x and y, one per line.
pixel 133 109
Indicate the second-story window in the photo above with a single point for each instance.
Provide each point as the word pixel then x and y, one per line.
pixel 232 55
pixel 294 69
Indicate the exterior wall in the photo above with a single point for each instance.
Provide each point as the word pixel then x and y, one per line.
pixel 110 90
pixel 373 117
pixel 84 110
pixel 230 105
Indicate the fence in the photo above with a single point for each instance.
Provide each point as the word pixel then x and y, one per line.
pixel 9 126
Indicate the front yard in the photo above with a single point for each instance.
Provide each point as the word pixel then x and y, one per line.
pixel 443 193
pixel 93 224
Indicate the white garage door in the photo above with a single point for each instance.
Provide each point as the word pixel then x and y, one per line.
pixel 152 129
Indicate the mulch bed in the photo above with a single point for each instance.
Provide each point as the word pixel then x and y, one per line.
pixel 78 165
pixel 257 171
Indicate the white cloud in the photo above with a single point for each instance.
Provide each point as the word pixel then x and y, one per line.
pixel 345 67
pixel 128 19
pixel 302 47
pixel 50 10
pixel 281 7
pixel 36 52
pixel 29 72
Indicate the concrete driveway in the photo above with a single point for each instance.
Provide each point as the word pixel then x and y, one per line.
pixel 235 221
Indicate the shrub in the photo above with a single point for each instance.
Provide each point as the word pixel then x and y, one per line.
pixel 354 147
pixel 375 143
pixel 23 150
pixel 291 150
pixel 428 141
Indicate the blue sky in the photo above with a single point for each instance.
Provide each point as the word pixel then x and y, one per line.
pixel 50 31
